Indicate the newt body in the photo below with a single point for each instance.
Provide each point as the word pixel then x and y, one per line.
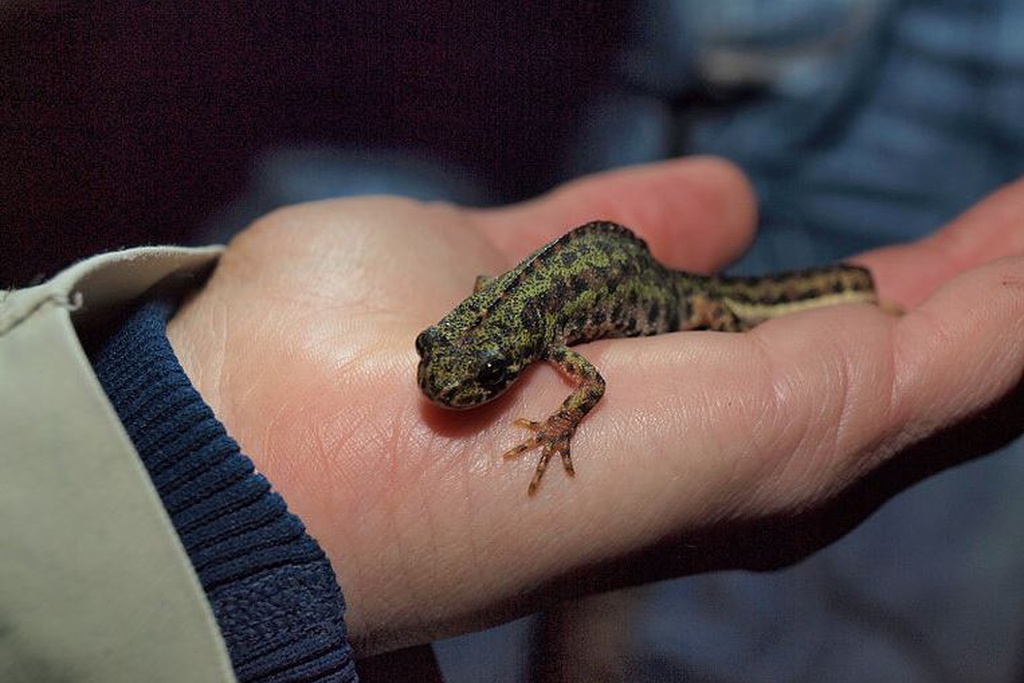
pixel 595 282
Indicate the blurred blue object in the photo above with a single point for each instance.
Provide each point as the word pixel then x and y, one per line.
pixel 291 175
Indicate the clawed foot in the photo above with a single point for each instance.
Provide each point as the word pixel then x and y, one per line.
pixel 553 435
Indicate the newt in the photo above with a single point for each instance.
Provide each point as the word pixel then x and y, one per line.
pixel 597 281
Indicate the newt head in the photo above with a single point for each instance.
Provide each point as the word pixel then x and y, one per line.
pixel 463 371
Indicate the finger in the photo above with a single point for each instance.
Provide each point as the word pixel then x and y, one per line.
pixel 992 229
pixel 696 213
pixel 789 415
pixel 852 387
pixel 962 349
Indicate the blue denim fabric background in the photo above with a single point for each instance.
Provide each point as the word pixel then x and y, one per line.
pixel 861 123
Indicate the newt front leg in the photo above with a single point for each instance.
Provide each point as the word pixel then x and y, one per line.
pixel 555 433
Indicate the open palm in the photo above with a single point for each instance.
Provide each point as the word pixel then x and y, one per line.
pixel 708 449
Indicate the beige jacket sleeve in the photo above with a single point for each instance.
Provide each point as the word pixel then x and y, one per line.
pixel 94 584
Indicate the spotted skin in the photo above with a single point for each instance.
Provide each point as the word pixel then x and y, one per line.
pixel 597 281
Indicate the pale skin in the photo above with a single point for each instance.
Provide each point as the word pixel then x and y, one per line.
pixel 302 342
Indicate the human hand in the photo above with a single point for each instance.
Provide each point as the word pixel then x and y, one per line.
pixel 708 450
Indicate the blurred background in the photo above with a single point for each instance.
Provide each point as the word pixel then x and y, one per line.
pixel 861 122
pixel 129 123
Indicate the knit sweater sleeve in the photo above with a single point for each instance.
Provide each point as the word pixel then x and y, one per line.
pixel 270 585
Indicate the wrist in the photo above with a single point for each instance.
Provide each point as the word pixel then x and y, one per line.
pixel 266 580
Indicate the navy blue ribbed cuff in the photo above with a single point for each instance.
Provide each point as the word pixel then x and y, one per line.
pixel 271 587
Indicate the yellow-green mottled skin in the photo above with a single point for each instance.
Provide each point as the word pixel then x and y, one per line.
pixel 595 282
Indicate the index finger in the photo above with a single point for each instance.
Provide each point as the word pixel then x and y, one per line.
pixel 696 213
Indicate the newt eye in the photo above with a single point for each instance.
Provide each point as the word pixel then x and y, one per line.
pixel 493 373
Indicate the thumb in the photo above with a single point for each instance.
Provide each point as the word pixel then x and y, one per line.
pixel 696 213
